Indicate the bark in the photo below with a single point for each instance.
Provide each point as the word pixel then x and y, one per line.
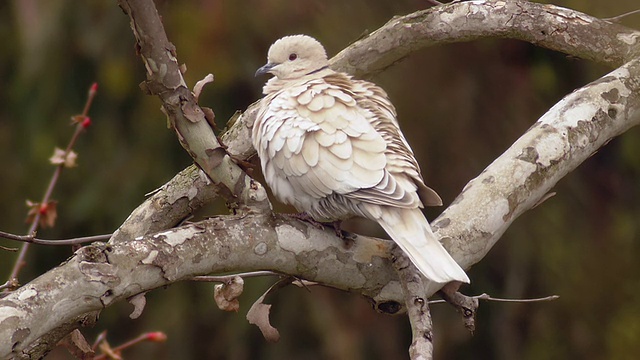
pixel 142 255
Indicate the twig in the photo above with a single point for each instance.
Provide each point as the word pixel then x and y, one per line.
pixel 417 306
pixel 80 126
pixel 7 284
pixel 227 278
pixel 434 2
pixel 468 305
pixel 151 336
pixel 74 241
pixel 619 17
pixel 8 248
pixel 490 298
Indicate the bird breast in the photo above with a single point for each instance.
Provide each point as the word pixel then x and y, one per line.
pixel 315 144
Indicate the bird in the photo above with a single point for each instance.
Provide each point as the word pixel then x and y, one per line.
pixel 331 146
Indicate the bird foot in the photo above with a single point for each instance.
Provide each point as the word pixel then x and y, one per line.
pixel 303 216
pixel 347 238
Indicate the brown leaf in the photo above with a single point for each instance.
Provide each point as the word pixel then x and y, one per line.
pixel 61 157
pixel 259 316
pixel 48 213
pixel 138 302
pixel 259 312
pixel 226 294
pixel 77 119
pixel 77 345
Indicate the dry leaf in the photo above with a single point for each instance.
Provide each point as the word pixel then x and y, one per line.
pixel 61 157
pixel 77 345
pixel 48 213
pixel 259 312
pixel 259 316
pixel 226 294
pixel 138 302
pixel 77 119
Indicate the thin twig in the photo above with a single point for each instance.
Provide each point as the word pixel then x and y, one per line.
pixel 5 285
pixel 490 298
pixel 74 241
pixel 8 248
pixel 153 336
pixel 227 278
pixel 434 2
pixel 619 17
pixel 20 262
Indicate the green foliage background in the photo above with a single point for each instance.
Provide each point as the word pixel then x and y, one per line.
pixel 460 106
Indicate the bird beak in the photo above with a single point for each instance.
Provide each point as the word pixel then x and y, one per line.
pixel 265 69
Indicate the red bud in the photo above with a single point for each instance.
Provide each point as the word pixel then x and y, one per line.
pixel 94 87
pixel 43 209
pixel 157 336
pixel 86 122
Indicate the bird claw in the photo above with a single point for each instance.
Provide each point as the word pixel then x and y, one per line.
pixel 303 216
pixel 346 237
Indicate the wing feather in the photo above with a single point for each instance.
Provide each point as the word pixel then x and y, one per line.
pixel 336 135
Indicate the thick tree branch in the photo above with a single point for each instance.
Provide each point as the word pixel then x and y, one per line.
pixel 567 135
pixel 164 78
pixel 100 274
pixel 548 26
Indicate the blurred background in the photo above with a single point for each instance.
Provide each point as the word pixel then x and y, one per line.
pixel 460 107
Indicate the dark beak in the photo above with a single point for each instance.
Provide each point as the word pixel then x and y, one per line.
pixel 265 69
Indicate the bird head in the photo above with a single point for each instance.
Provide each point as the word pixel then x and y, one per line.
pixel 293 57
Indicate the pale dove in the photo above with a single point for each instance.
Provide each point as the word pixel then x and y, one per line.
pixel 330 145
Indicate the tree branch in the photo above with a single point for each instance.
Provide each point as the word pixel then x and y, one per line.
pixel 567 135
pixel 102 274
pixel 417 303
pixel 164 78
pixel 545 25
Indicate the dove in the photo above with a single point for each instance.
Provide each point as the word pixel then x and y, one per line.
pixel 331 146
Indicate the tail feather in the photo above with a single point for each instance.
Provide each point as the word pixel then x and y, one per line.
pixel 411 231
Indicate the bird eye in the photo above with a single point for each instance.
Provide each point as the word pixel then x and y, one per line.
pixel 293 57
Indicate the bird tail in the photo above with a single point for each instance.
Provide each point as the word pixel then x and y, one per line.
pixel 411 231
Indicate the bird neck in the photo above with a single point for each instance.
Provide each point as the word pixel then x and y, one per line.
pixel 318 70
pixel 275 84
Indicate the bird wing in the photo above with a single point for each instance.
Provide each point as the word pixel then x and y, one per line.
pixel 402 166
